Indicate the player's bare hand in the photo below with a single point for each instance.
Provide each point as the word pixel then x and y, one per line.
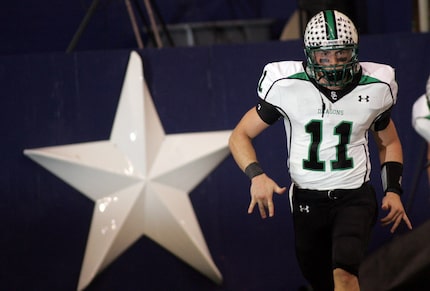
pixel 396 214
pixel 262 189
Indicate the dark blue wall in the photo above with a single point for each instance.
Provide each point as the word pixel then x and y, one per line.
pixel 28 26
pixel 55 99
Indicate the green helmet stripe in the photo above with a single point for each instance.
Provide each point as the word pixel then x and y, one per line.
pixel 330 23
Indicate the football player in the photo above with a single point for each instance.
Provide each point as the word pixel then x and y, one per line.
pixel 328 103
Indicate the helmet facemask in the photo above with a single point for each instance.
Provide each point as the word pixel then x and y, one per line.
pixel 331 31
pixel 338 75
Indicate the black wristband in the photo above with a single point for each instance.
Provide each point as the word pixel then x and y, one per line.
pixel 391 174
pixel 253 169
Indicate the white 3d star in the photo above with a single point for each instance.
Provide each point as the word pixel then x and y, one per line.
pixel 140 180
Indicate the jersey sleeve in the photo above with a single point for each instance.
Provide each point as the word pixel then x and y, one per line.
pixel 382 121
pixel 268 78
pixel 383 74
pixel 274 72
pixel 268 112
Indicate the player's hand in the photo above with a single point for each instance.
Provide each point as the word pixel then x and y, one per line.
pixel 262 189
pixel 396 212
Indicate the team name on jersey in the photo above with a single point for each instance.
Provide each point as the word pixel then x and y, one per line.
pixel 331 111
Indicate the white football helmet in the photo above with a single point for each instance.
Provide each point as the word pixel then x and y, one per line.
pixel 331 30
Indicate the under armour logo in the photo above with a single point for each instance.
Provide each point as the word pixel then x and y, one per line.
pixel 361 99
pixel 305 208
pixel 258 106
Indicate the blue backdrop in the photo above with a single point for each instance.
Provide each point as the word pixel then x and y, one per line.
pixel 28 26
pixel 56 98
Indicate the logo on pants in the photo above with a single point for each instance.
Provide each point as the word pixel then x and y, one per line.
pixel 305 208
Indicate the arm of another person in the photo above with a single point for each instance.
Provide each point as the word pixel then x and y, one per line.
pixel 421 124
pixel 243 151
pixel 390 150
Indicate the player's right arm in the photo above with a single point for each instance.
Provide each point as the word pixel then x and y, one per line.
pixel 240 141
pixel 243 151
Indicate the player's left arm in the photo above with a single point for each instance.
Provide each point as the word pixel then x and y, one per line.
pixel 391 158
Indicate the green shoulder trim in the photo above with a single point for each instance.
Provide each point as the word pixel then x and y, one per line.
pixel 300 76
pixel 368 80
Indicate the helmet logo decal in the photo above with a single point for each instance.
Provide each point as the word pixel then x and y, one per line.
pixel 330 25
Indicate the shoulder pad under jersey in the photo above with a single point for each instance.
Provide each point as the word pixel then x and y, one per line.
pixel 275 71
pixel 374 72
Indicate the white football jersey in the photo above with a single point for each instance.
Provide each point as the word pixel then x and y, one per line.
pixel 327 137
pixel 421 117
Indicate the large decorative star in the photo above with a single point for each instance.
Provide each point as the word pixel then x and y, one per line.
pixel 140 181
